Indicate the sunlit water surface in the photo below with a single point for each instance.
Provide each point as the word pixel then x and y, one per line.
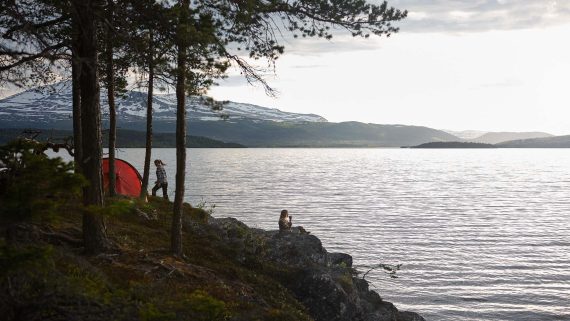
pixel 482 234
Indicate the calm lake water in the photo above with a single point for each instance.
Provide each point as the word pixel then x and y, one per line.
pixel 482 234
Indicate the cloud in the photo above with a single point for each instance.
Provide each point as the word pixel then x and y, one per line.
pixel 505 83
pixel 233 81
pixel 341 42
pixel 7 90
pixel 481 15
pixel 312 66
pixel 444 17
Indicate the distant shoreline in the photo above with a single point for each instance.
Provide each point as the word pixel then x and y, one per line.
pixel 444 145
pixel 128 138
pixel 537 143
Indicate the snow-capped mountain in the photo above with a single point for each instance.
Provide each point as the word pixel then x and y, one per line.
pixel 53 103
pixel 49 109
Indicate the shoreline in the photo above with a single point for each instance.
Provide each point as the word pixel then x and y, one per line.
pixel 237 271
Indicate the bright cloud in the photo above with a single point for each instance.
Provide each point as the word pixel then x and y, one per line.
pixel 511 80
pixel 482 15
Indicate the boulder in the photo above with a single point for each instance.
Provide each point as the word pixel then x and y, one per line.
pixel 340 259
pixel 325 283
pixel 410 316
pixel 295 250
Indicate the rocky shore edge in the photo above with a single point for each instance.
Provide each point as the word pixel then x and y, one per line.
pixel 325 283
pixel 231 272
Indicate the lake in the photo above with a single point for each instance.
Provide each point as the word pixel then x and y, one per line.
pixel 483 234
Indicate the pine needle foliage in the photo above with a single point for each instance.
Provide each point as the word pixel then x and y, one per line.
pixel 33 185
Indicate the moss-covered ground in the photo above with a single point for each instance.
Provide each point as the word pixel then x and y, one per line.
pixel 44 274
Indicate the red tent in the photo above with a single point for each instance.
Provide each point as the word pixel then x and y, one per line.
pixel 129 181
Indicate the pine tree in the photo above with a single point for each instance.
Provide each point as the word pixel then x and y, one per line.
pixel 94 232
pixel 115 64
pixel 150 47
pixel 257 26
pixel 40 37
pixel 181 61
pixel 199 41
pixel 110 83
pixel 207 30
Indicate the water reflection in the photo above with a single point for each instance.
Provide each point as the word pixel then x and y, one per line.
pixel 482 234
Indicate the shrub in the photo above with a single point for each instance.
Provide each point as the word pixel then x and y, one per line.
pixel 14 259
pixel 33 185
pixel 206 308
pixel 149 312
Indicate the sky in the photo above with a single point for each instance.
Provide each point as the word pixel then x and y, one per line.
pixel 489 65
pixel 501 65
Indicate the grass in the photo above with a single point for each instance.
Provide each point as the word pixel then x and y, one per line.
pixel 142 281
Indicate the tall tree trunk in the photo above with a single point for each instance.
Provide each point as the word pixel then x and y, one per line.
pixel 76 98
pixel 148 150
pixel 182 44
pixel 111 98
pixel 94 235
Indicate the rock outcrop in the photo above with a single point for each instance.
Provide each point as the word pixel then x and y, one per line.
pixel 325 283
pixel 231 273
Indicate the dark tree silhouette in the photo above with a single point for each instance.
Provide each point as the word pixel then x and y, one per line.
pixel 94 235
pixel 200 40
pixel 150 46
pixel 40 39
pixel 208 30
pixel 182 47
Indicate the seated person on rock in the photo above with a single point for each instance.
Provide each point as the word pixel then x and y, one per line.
pixel 285 223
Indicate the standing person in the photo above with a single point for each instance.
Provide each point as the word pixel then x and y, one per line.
pixel 161 181
pixel 285 222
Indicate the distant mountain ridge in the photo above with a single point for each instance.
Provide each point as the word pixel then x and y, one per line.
pixel 466 134
pixel 499 137
pixel 445 145
pixel 321 134
pixel 544 142
pixel 478 136
pixel 53 103
pixel 248 125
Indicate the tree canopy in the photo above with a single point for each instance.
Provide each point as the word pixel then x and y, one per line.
pixel 183 44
